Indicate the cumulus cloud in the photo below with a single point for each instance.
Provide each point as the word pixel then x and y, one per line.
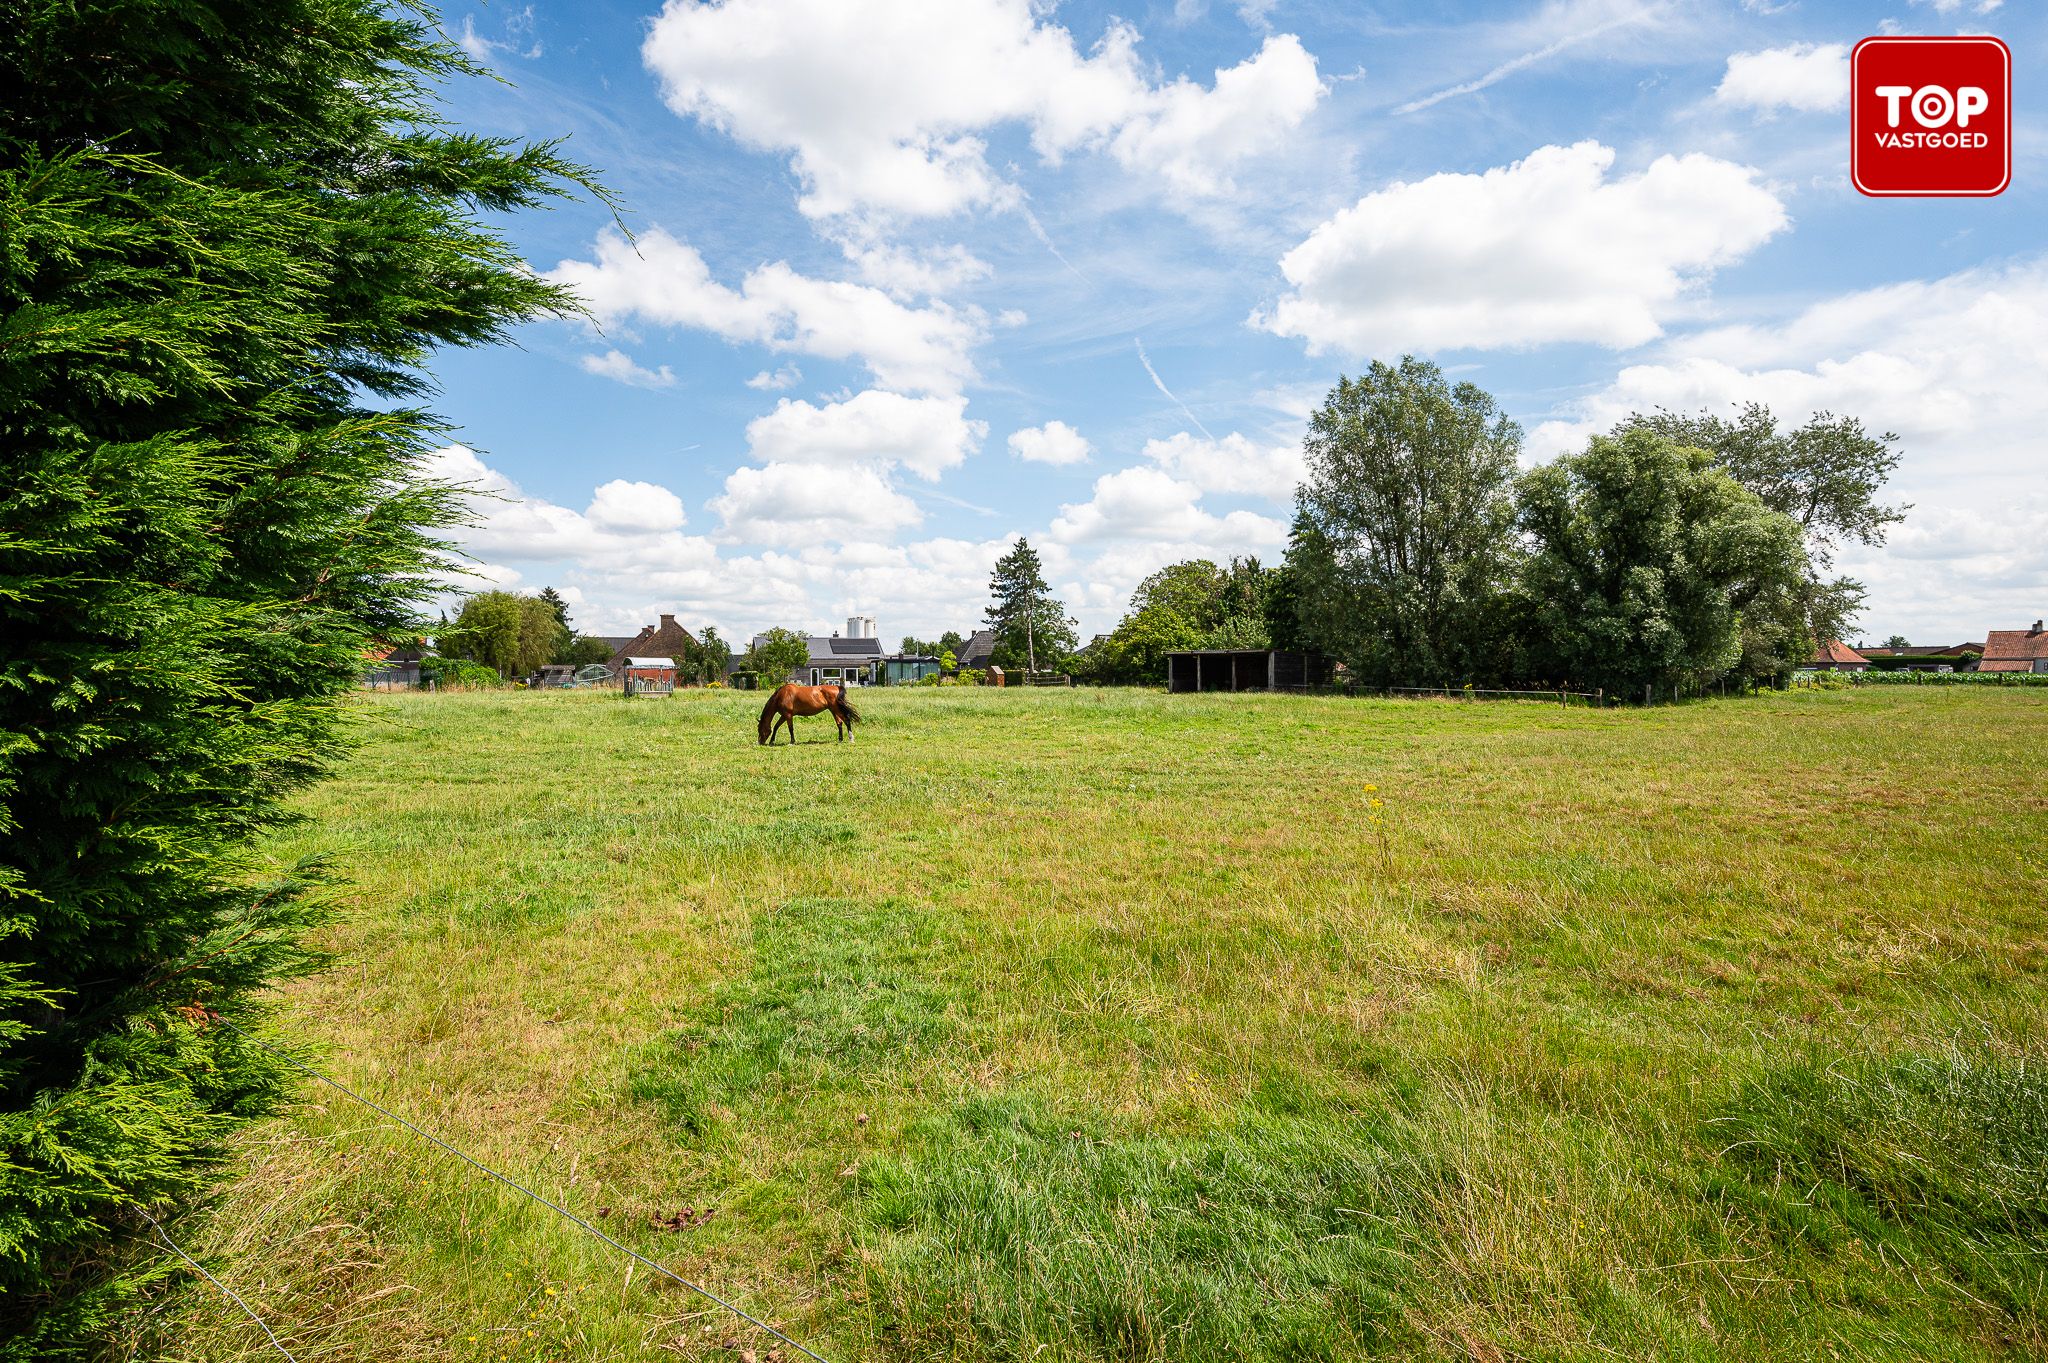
pixel 788 376
pixel 1233 464
pixel 1146 503
pixel 1948 364
pixel 883 430
pixel 825 82
pixel 799 504
pixel 1053 443
pixel 635 508
pixel 616 364
pixel 1548 249
pixel 666 282
pixel 1809 77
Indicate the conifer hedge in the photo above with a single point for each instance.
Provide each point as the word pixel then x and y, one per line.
pixel 230 234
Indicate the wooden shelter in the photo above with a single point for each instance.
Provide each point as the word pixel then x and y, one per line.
pixel 1245 669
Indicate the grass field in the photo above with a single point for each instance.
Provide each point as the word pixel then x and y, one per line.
pixel 1114 1025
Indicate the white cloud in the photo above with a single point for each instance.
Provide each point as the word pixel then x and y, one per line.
pixel 925 435
pixel 1144 503
pixel 631 508
pixel 799 504
pixel 1193 136
pixel 616 364
pixel 1548 249
pixel 1951 365
pixel 1233 464
pixel 1053 443
pixel 908 273
pixel 1810 77
pixel 884 106
pixel 1946 7
pixel 666 282
pixel 629 524
pixel 1558 27
pixel 788 376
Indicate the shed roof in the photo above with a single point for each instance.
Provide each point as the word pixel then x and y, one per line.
pixel 650 662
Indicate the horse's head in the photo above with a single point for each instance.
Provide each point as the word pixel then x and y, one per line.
pixel 767 725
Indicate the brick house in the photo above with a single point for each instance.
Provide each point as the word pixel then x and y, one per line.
pixel 665 640
pixel 2015 650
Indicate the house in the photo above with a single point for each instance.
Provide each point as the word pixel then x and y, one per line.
pixel 665 640
pixel 2015 650
pixel 1836 656
pixel 839 659
pixel 978 651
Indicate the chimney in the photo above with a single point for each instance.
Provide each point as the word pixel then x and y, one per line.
pixel 2036 629
pixel 668 622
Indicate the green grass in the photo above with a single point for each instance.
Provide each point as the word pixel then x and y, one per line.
pixel 1108 1025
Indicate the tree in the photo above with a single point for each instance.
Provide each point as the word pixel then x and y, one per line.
pixel 948 660
pixel 1135 652
pixel 1897 641
pixel 1192 589
pixel 511 633
pixel 778 654
pixel 585 651
pixel 951 642
pixel 1030 625
pixel 707 657
pixel 1402 544
pixel 1825 475
pixel 1644 560
pixel 234 232
pixel 565 634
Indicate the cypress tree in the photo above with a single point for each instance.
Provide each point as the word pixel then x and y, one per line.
pixel 230 234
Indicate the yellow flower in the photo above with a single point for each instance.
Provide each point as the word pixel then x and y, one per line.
pixel 1369 789
pixel 1378 803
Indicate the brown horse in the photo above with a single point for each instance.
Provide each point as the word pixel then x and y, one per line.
pixel 791 700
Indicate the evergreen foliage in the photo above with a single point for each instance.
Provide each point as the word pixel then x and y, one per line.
pixel 230 234
pixel 1032 628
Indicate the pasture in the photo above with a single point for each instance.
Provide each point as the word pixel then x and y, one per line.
pixel 1112 1025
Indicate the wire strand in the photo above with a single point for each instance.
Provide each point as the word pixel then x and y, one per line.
pixel 763 1326
pixel 168 1244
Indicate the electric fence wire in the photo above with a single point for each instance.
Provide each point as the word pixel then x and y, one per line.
pixel 763 1326
pixel 164 1237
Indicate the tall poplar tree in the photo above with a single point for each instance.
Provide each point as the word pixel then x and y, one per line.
pixel 231 233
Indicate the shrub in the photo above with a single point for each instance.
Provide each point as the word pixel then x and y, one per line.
pixel 458 674
pixel 234 231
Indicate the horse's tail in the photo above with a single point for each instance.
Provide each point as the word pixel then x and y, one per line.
pixel 846 708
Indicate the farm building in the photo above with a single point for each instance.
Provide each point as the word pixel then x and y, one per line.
pixel 1245 669
pixel 391 668
pixel 2015 650
pixel 666 640
pixel 1836 656
pixel 903 669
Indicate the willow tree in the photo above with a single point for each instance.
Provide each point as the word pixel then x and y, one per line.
pixel 230 236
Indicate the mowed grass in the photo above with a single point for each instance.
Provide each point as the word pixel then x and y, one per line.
pixel 1109 1025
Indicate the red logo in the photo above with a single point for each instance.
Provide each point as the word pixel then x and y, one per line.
pixel 1930 117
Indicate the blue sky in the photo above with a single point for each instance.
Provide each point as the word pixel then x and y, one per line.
pixel 908 280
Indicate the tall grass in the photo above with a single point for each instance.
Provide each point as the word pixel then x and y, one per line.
pixel 1111 1025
